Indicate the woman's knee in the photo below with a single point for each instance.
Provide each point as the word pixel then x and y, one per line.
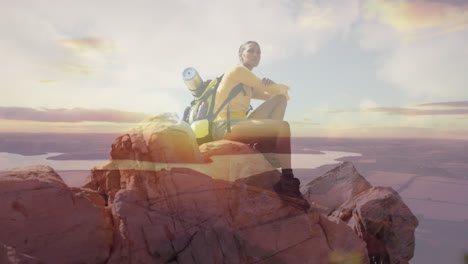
pixel 279 99
pixel 275 124
pixel 285 125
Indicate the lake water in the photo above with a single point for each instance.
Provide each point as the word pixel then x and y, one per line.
pixel 10 160
pixel 299 161
pixel 312 161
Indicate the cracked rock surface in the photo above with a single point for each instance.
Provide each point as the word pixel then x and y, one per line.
pixel 226 212
pixel 380 217
pixel 376 214
pixel 41 217
pixel 335 187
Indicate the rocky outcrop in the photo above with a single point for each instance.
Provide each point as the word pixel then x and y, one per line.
pixel 221 210
pixel 162 139
pixel 41 217
pixel 131 167
pixel 196 219
pixel 161 199
pixel 376 214
pixel 236 162
pixel 335 187
pixel 380 217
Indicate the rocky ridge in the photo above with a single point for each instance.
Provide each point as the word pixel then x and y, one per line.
pixel 377 215
pixel 161 199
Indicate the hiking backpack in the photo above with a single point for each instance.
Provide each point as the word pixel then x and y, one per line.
pixel 200 114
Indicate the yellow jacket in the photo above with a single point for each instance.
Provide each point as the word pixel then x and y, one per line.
pixel 253 86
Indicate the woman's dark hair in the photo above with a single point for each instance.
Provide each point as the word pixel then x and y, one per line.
pixel 242 47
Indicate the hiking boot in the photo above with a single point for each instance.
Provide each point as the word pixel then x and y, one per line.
pixel 288 189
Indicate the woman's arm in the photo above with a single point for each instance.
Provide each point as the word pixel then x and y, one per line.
pixel 265 96
pixel 256 94
pixel 260 95
pixel 260 91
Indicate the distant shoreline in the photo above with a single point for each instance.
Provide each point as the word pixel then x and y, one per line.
pixel 92 146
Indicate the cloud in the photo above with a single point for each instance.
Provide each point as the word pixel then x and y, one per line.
pixel 70 115
pixel 78 69
pixel 123 50
pixel 367 103
pixel 407 111
pixel 129 56
pixel 429 70
pixel 416 17
pixel 49 81
pixel 82 45
pixel 316 17
pixel 437 33
pixel 21 126
pixel 396 132
pixel 416 112
pixel 447 104
pixel 423 69
pixel 304 123
pixel 339 111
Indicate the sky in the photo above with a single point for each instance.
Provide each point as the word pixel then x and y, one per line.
pixel 356 68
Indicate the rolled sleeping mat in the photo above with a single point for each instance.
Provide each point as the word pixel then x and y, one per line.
pixel 193 80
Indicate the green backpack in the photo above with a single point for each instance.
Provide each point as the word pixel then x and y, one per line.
pixel 200 114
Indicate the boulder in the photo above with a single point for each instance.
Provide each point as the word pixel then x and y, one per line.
pixel 197 219
pixel 335 187
pixel 105 179
pixel 235 161
pixel 220 207
pixel 162 138
pixel 383 221
pixel 42 217
pixel 225 160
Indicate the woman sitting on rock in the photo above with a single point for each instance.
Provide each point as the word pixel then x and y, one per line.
pixel 264 128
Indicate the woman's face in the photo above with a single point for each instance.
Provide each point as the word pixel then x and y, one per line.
pixel 250 56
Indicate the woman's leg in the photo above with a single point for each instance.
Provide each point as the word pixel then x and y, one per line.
pixel 273 136
pixel 273 108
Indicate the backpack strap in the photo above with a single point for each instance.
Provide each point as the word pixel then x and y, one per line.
pixel 208 95
pixel 248 110
pixel 228 129
pixel 187 113
pixel 234 92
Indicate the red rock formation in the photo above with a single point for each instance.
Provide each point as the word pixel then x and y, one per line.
pixel 376 214
pixel 232 216
pixel 335 187
pixel 380 217
pixel 194 219
pixel 161 200
pixel 158 139
pixel 42 217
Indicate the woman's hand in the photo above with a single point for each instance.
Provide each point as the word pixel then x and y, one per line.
pixel 284 91
pixel 267 82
